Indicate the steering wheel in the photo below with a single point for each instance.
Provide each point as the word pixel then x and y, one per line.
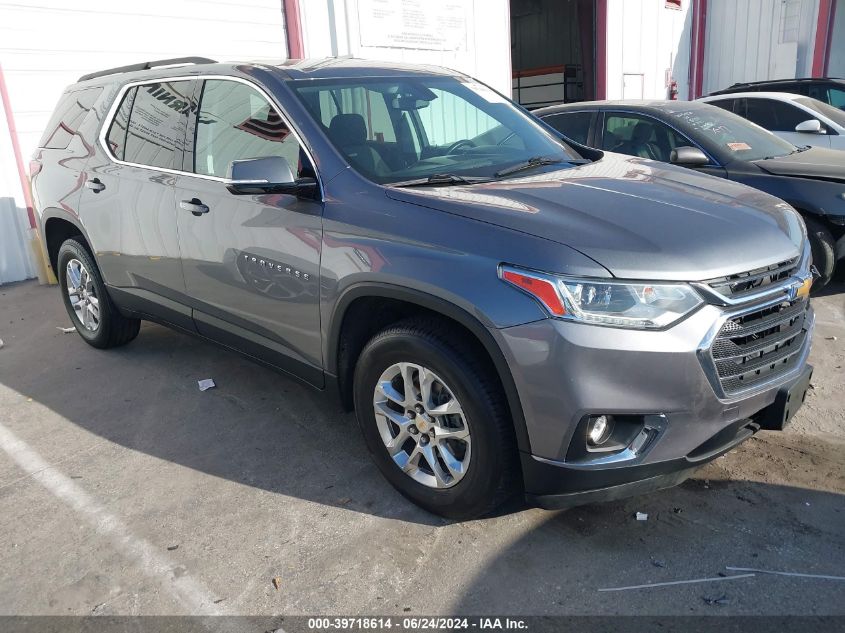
pixel 454 146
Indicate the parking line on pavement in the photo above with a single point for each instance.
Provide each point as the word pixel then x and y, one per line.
pixel 191 594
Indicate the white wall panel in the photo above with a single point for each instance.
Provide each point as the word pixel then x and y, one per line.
pixel 644 37
pixel 753 40
pixel 484 53
pixel 46 45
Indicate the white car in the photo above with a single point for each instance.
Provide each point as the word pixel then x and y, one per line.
pixel 795 118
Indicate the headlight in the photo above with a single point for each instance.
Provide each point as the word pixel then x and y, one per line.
pixel 635 305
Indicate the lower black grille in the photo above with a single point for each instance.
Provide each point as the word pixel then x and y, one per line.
pixel 759 345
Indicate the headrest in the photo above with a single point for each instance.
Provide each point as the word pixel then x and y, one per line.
pixel 348 129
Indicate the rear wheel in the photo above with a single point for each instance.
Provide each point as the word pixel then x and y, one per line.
pixel 91 310
pixel 434 417
pixel 824 250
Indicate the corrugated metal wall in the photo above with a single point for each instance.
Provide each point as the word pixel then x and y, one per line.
pixel 646 40
pixel 758 39
pixel 47 44
pixel 335 27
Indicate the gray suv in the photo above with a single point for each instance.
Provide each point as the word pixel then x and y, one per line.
pixel 506 313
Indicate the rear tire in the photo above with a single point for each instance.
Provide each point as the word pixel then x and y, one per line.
pixel 91 310
pixel 824 251
pixel 472 476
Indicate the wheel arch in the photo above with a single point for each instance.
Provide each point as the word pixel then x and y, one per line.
pixel 340 362
pixel 58 227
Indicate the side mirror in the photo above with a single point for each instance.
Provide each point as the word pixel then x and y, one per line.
pixel 813 126
pixel 270 174
pixel 688 157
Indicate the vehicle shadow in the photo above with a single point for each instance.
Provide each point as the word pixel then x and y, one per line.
pixel 257 427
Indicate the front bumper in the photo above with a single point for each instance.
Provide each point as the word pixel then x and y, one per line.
pixel 565 371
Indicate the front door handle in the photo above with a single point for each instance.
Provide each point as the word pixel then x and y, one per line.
pixel 195 206
pixel 95 185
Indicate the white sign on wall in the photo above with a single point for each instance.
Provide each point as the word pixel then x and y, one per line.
pixel 434 25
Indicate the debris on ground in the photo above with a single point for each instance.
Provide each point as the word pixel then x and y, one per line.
pixel 831 338
pixel 205 384
pixel 679 582
pixel 171 548
pixel 66 330
pixel 677 510
pixel 642 516
pixel 343 501
pixel 658 563
pixel 786 573
pixel 721 600
pixel 1 342
pixel 277 582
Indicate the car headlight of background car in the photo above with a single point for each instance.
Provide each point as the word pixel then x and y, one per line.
pixel 634 305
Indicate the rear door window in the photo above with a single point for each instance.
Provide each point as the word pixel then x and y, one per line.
pixel 116 138
pixel 155 135
pixel 67 117
pixel 573 125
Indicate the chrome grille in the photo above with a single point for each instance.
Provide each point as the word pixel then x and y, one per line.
pixel 759 345
pixel 740 284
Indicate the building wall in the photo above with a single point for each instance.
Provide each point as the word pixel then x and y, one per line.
pixel 755 40
pixel 471 36
pixel 836 64
pixel 47 45
pixel 647 42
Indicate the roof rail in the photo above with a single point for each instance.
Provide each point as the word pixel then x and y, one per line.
pixel 147 65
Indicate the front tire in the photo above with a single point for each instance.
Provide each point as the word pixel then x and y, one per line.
pixel 434 417
pixel 824 251
pixel 91 310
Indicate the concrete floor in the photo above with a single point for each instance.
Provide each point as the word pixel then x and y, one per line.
pixel 125 490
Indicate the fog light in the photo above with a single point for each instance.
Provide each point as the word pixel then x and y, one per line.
pixel 599 428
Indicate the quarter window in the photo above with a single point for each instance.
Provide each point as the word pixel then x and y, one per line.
pixel 237 122
pixel 155 135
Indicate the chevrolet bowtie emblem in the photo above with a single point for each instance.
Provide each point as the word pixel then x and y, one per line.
pixel 800 289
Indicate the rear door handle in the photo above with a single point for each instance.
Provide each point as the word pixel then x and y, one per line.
pixel 195 206
pixel 95 185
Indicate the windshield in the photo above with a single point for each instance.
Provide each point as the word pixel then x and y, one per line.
pixel 834 114
pixel 741 138
pixel 405 128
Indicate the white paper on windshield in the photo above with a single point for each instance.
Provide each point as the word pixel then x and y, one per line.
pixel 489 95
pixel 739 146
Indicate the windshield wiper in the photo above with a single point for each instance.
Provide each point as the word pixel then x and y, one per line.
pixel 538 161
pixel 440 179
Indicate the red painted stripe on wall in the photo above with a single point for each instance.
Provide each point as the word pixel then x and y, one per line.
pixel 293 29
pixel 16 148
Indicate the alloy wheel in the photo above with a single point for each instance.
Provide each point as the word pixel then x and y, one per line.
pixel 422 425
pixel 82 295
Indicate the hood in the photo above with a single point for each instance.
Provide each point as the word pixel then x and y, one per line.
pixel 816 162
pixel 639 219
